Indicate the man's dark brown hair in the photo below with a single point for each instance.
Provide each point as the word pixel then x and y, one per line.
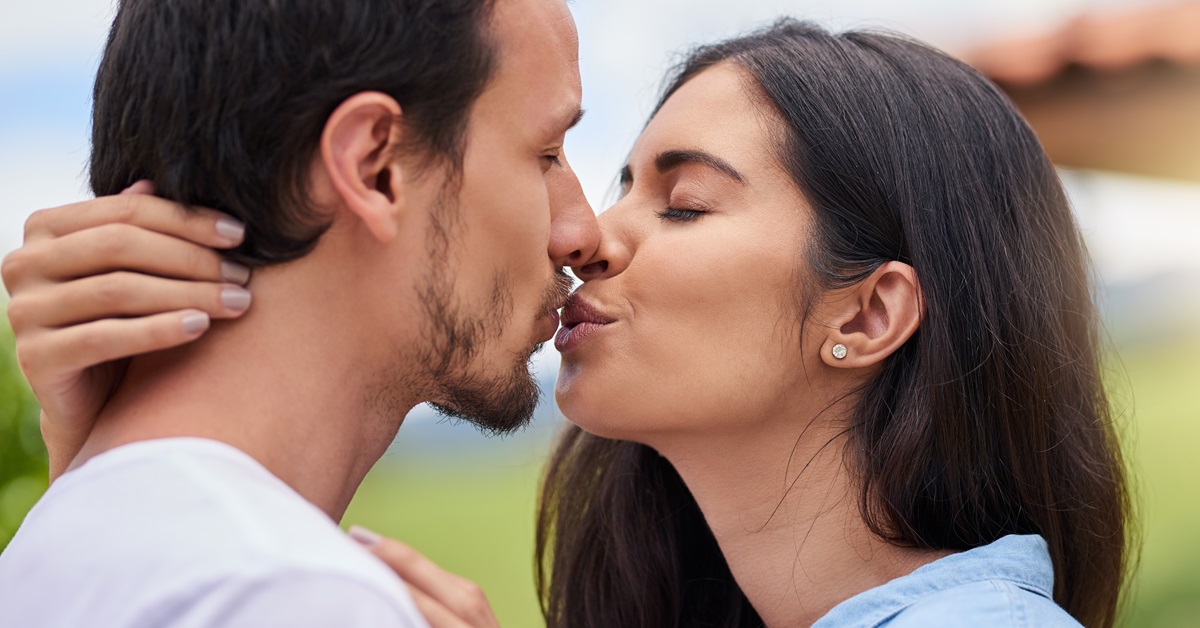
pixel 221 103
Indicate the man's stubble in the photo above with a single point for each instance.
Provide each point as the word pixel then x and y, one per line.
pixel 498 399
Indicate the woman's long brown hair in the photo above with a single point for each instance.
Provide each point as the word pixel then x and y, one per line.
pixel 991 420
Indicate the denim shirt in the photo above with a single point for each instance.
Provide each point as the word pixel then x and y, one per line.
pixel 1007 583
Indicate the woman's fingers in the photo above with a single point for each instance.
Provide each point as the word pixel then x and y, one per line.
pixel 437 615
pixel 136 208
pixel 70 350
pixel 460 596
pixel 122 294
pixel 87 267
pixel 112 247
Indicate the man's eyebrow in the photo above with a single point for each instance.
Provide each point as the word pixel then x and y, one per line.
pixel 574 120
pixel 675 158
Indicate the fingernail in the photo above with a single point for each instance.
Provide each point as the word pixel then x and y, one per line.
pixel 231 230
pixel 235 298
pixel 235 273
pixel 365 536
pixel 195 323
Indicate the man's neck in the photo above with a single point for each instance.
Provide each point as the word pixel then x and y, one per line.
pixel 288 384
pixel 785 511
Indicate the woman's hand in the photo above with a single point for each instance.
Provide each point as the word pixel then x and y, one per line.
pixel 446 600
pixel 103 280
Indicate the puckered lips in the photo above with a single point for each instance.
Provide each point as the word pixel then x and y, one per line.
pixel 550 320
pixel 579 319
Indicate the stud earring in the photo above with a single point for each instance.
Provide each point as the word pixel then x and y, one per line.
pixel 839 351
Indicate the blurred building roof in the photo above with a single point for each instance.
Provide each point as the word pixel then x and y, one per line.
pixel 1104 41
pixel 1114 90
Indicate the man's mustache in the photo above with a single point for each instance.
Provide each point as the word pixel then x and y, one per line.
pixel 560 289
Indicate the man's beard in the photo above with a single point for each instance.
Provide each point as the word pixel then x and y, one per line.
pixel 453 337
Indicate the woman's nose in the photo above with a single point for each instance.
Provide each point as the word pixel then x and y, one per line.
pixel 614 251
pixel 592 270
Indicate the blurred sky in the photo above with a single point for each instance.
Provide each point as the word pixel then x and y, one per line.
pixel 1137 229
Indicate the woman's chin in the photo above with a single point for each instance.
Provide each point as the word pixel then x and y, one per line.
pixel 588 412
pixel 614 407
pixel 573 404
pixel 576 388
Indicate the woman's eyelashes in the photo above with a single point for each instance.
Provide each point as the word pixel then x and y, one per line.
pixel 678 214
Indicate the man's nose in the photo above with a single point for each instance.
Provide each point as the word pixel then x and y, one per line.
pixel 574 234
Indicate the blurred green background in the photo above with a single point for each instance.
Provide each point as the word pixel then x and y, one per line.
pixel 470 506
pixel 22 455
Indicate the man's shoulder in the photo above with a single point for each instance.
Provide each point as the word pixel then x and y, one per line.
pixel 290 596
pixel 167 525
pixel 984 604
pixel 179 495
pixel 225 594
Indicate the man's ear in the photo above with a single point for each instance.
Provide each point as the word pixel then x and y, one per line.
pixel 874 318
pixel 358 151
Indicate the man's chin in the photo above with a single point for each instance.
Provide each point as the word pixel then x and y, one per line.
pixel 497 407
pixel 490 422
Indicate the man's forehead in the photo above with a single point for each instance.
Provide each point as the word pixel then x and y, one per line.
pixel 542 27
pixel 538 57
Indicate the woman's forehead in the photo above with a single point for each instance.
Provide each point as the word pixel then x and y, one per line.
pixel 711 113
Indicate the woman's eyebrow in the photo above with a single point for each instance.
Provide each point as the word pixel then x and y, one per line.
pixel 668 160
pixel 674 158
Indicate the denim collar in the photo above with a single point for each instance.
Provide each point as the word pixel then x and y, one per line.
pixel 1023 560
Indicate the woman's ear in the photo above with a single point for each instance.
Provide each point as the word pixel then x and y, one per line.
pixel 872 320
pixel 358 152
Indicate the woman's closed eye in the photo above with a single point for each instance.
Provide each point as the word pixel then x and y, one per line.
pixel 678 214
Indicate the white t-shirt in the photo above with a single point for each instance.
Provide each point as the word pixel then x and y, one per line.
pixel 188 532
